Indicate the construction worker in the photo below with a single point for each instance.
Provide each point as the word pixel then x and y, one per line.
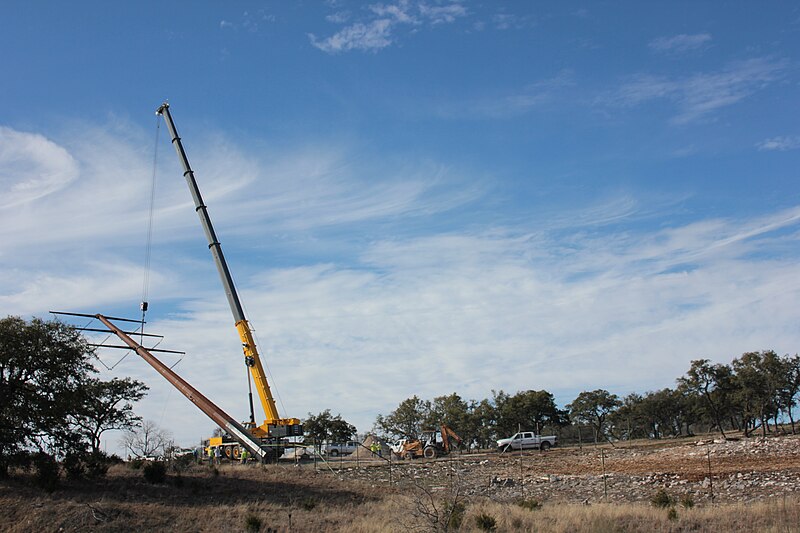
pixel 218 455
pixel 244 455
pixel 374 448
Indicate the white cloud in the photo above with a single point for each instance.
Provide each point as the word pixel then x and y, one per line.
pixel 372 36
pixel 399 12
pixel 340 17
pixel 503 309
pixel 250 21
pixel 680 43
pixel 31 168
pixel 780 144
pixel 375 31
pixel 534 95
pixel 441 14
pixel 72 205
pixel 505 21
pixel 701 94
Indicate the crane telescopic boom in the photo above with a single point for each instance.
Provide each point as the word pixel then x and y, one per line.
pixel 274 425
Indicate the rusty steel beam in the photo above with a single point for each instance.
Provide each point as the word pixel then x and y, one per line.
pixel 220 417
pixel 94 345
pixel 138 334
pixel 95 316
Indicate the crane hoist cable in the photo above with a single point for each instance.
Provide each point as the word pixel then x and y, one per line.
pixel 277 392
pixel 149 243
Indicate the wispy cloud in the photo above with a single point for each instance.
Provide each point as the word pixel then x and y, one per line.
pixel 377 27
pixel 31 167
pixel 248 21
pixel 441 14
pixel 628 310
pixel 49 188
pixel 680 43
pixel 373 35
pixel 340 17
pixel 506 21
pixel 701 94
pixel 532 96
pixel 88 200
pixel 780 144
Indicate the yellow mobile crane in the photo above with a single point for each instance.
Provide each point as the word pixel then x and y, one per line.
pixel 273 432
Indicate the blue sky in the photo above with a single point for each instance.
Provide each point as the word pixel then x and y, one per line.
pixel 414 197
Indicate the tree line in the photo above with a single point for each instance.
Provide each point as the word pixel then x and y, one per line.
pixel 757 391
pixel 53 408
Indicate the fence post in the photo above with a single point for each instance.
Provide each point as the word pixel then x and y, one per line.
pixel 710 474
pixel 605 482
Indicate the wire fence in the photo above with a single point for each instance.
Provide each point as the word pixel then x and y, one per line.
pixel 687 472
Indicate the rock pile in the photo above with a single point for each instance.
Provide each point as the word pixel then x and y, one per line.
pixel 731 471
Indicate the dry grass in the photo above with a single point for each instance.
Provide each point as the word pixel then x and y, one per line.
pixel 198 500
pixel 768 517
pixel 299 499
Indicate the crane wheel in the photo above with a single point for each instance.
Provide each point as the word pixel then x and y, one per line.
pixel 237 453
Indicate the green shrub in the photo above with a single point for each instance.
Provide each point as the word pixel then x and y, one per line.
pixel 456 511
pixel 182 463
pixel 531 505
pixel 308 503
pixel 672 514
pixel 252 523
pixel 97 464
pixel 485 522
pixel 687 501
pixel 662 499
pixel 155 472
pixel 47 474
pixel 92 465
pixel 74 466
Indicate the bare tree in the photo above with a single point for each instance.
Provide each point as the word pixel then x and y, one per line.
pixel 434 511
pixel 147 440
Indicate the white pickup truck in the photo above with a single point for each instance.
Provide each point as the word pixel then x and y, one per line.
pixel 527 440
pixel 340 448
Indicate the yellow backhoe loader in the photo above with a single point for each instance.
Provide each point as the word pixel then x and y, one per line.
pixel 433 443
